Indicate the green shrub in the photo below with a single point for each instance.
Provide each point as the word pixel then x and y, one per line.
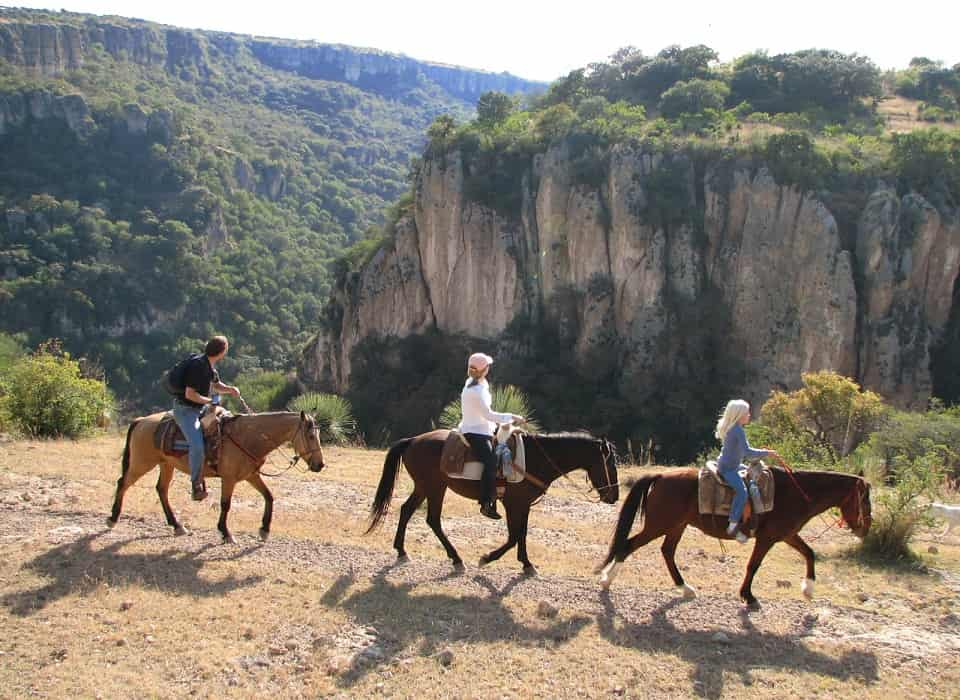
pixel 899 511
pixel 907 436
pixel 264 391
pixel 693 97
pixel 506 399
pixel 45 395
pixel 333 413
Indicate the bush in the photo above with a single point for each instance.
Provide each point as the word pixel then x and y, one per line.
pixel 901 510
pixel 506 399
pixel 264 391
pixel 822 422
pixel 333 413
pixel 45 395
pixel 907 436
pixel 693 97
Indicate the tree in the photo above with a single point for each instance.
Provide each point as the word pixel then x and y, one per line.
pixel 493 108
pixel 693 97
pixel 830 413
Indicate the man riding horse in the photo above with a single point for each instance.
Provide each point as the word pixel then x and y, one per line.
pixel 198 377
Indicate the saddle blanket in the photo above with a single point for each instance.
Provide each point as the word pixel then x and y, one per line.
pixel 716 496
pixel 168 438
pixel 458 461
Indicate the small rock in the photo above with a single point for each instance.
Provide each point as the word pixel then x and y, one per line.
pixel 783 583
pixel 933 549
pixel 26 497
pixel 149 639
pixel 374 652
pixel 546 610
pixel 291 644
pixel 248 633
pixel 863 597
pixel 336 664
pixel 618 690
pixel 445 658
pixel 277 651
pixel 121 642
pixel 721 638
pixel 126 605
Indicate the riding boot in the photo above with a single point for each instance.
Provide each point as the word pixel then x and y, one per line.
pixel 489 509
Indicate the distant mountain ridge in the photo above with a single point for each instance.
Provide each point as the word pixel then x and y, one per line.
pixel 52 43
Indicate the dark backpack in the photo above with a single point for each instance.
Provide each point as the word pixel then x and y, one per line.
pixel 172 380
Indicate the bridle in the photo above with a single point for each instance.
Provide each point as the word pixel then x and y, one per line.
pixel 604 454
pixel 259 461
pixel 858 490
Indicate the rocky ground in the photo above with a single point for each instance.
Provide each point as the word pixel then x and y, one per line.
pixel 320 610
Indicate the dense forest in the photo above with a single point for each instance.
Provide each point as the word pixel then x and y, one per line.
pixel 153 196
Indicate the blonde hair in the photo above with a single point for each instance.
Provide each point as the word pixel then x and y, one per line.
pixel 735 410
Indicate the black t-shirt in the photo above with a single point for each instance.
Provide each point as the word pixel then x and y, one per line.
pixel 199 374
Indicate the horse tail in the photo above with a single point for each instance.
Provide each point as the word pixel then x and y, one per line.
pixel 125 461
pixel 635 500
pixel 391 465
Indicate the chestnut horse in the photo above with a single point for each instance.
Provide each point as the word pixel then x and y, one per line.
pixel 247 440
pixel 548 457
pixel 668 502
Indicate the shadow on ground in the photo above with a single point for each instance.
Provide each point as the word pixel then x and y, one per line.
pixel 744 650
pixel 79 567
pixel 407 621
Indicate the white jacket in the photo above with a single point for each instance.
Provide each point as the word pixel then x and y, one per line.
pixel 478 416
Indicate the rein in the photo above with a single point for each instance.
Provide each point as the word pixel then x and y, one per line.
pixel 585 493
pixel 259 462
pixel 794 479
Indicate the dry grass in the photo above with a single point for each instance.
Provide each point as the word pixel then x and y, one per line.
pixel 319 610
pixel 901 115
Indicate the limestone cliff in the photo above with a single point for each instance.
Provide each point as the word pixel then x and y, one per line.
pixel 743 267
pixel 60 43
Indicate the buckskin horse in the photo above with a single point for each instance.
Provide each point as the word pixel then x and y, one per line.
pixel 548 457
pixel 247 440
pixel 668 503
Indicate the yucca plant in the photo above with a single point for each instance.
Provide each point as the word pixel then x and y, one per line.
pixel 506 399
pixel 333 413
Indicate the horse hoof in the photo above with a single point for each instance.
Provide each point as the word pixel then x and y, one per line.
pixel 806 587
pixel 687 591
pixel 530 571
pixel 751 605
pixel 111 523
pixel 229 539
pixel 403 559
pixel 607 574
pixel 264 534
pixel 180 531
pixel 483 562
pixel 459 567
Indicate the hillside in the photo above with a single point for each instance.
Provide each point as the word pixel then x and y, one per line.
pixel 160 184
pixel 660 233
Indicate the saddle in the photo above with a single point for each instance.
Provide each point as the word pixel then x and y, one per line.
pixel 716 496
pixel 458 460
pixel 169 439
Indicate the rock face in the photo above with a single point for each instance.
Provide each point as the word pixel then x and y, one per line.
pixel 48 48
pixel 17 108
pixel 368 68
pixel 740 266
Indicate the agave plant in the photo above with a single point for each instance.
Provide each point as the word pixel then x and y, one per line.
pixel 506 399
pixel 333 413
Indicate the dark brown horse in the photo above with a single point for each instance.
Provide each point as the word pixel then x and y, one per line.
pixel 668 503
pixel 548 457
pixel 247 440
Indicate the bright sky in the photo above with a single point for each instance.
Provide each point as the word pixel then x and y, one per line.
pixel 544 40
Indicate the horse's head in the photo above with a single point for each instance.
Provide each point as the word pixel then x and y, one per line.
pixel 603 472
pixel 306 443
pixel 855 509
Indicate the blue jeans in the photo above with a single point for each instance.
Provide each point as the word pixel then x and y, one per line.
pixel 188 418
pixel 732 477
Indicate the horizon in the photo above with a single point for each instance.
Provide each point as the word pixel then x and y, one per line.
pixel 574 41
